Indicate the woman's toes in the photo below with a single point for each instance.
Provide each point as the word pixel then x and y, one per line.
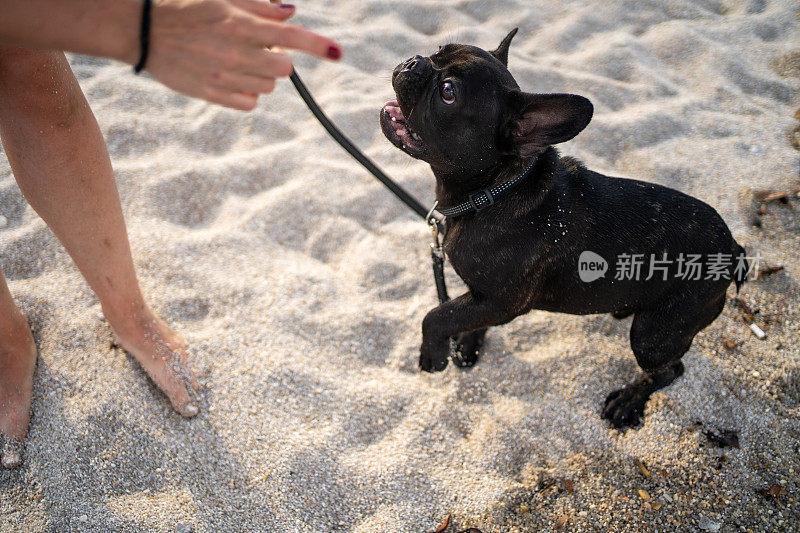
pixel 12 453
pixel 185 370
pixel 174 381
pixel 180 398
pixel 189 410
pixel 185 406
pixel 163 354
pixel 176 385
pixel 194 381
pixel 187 385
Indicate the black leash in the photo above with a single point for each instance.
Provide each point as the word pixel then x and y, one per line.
pixel 340 138
pixel 432 217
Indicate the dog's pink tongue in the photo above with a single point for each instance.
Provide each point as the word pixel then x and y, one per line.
pixel 394 110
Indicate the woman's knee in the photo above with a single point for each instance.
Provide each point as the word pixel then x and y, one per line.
pixel 38 84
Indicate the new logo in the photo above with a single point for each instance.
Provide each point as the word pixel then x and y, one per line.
pixel 591 266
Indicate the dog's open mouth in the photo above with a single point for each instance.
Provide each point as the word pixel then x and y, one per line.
pixel 397 130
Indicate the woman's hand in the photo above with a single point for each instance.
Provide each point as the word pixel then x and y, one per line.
pixel 218 50
pixel 212 49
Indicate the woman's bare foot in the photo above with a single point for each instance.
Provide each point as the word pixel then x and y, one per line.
pixel 162 353
pixel 17 363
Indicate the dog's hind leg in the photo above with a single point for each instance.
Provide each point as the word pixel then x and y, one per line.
pixel 659 338
pixel 625 407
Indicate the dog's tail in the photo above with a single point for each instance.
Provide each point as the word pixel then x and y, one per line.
pixel 740 267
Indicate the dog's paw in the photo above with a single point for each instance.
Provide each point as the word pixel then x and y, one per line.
pixel 431 364
pixel 433 360
pixel 624 407
pixel 467 347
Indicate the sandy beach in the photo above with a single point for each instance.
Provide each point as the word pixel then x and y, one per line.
pixel 301 284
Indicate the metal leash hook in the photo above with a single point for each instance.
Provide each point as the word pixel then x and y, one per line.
pixel 436 221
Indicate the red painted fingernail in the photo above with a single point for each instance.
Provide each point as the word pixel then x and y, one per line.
pixel 286 6
pixel 334 52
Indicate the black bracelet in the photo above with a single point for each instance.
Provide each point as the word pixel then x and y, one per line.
pixel 144 36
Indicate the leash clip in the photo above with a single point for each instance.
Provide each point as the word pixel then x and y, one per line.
pixel 435 221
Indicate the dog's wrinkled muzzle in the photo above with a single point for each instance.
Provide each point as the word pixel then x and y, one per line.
pixel 415 69
pixel 414 65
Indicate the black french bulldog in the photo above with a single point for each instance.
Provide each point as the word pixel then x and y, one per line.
pixel 525 222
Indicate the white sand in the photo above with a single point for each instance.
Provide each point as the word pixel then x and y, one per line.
pixel 301 284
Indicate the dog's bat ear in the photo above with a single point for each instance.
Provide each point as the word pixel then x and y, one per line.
pixel 501 52
pixel 541 120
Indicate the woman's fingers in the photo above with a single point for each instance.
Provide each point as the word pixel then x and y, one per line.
pixel 297 38
pixel 262 8
pixel 240 101
pixel 245 83
pixel 218 49
pixel 267 64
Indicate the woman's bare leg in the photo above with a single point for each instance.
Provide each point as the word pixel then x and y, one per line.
pixel 60 162
pixel 17 362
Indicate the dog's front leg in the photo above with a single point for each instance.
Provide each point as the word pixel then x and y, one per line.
pixel 465 313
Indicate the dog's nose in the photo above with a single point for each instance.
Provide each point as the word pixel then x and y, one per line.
pixel 415 65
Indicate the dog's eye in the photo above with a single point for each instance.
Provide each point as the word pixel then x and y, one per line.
pixel 448 93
